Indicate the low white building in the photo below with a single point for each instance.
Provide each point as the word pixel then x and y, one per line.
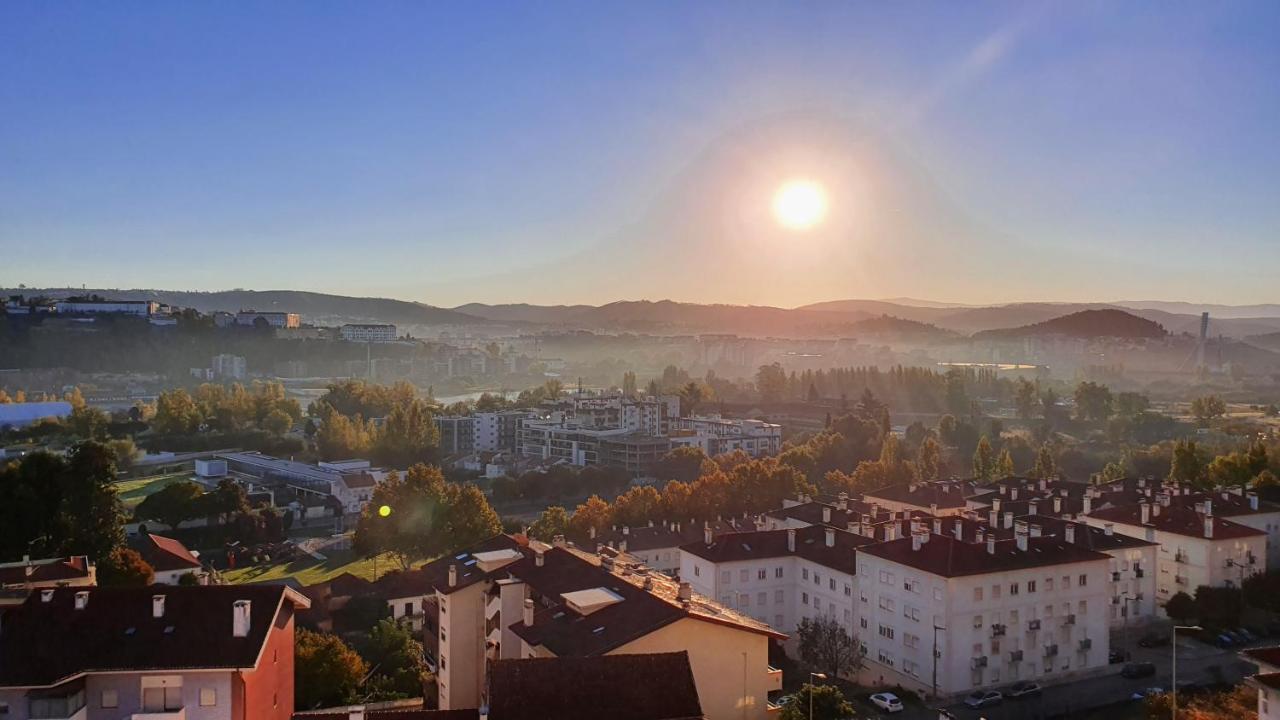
pixel 377 333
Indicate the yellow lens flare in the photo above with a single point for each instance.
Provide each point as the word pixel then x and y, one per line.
pixel 384 511
pixel 800 204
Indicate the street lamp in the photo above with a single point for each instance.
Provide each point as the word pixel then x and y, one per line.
pixel 1173 691
pixel 936 628
pixel 812 675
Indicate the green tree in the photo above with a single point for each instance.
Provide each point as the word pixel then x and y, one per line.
pixel 326 671
pixel 1207 408
pixel 552 522
pixel 1093 401
pixel 1046 466
pixel 1132 404
pixel 172 504
pixel 826 646
pixel 395 657
pixel 929 459
pixel 123 567
pixel 819 702
pixel 771 382
pixel 1188 464
pixel 277 422
pixel 1181 607
pixel 1025 399
pixel 176 413
pixel 629 385
pixel 984 461
pixel 692 394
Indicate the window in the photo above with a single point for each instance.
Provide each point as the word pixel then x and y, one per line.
pixel 110 699
pixel 777 597
pixel 408 609
pixel 777 621
pixel 777 572
pixel 1066 581
pixel 208 697
pixel 804 598
pixel 275 699
pixel 937 594
pixel 911 613
pixel 886 658
pixel 848 590
pixel 831 584
pixel 761 574
pixel 886 603
pixel 862 623
pixel 848 615
pixel 886 632
pixel 726 577
pixel 1048 585
pixel 762 598
pixel 1082 607
pixel 817 579
pixel 1031 586
pixel 977 594
pixel 977 622
pixel 995 592
pixel 744 575
pixel 697 571
pixel 161 699
pixel 744 600
pixel 804 573
pixel 1013 589
pixel 911 641
pixel 1084 580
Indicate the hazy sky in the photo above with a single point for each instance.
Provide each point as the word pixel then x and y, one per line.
pixel 559 152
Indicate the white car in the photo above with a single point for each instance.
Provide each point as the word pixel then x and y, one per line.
pixel 887 702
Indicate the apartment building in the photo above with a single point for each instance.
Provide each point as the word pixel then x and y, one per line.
pixel 1267 680
pixel 28 574
pixel 508 598
pixel 251 318
pixel 779 576
pixel 997 611
pixel 187 653
pixel 457 434
pixel 496 431
pixel 657 546
pixel 1196 547
pixel 140 308
pixel 717 436
pixel 372 333
pixel 228 367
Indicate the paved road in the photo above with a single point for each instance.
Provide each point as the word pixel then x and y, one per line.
pixel 1195 660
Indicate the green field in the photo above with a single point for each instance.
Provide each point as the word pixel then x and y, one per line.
pixel 132 492
pixel 309 571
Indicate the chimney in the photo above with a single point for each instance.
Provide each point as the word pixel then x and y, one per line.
pixel 979 534
pixel 356 712
pixel 831 537
pixel 1151 534
pixel 933 508
pixel 157 606
pixel 843 501
pixel 1057 505
pixel 937 526
pixel 626 530
pixel 82 599
pixel 539 558
pixel 46 595
pixel 1166 499
pixel 528 612
pixel 959 529
pixel 1208 508
pixel 1071 534
pixel 791 539
pixel 915 542
pixel 684 592
pixel 453 576
pixel 1021 538
pixel 1109 529
pixel 1013 493
pixel 1253 500
pixel 1035 530
pixel 991 545
pixel 1208 526
pixel 826 514
pixel 1033 507
pixel 995 503
pixel 1008 519
pixel 706 534
pixel 993 518
pixel 591 532
pixel 559 541
pixel 648 582
pixel 1146 512
pixel 1088 505
pixel 622 546
pixel 240 618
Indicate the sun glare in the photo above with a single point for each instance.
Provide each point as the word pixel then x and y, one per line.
pixel 800 204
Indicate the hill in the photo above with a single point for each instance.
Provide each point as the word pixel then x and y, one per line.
pixel 314 307
pixel 1107 322
pixel 890 327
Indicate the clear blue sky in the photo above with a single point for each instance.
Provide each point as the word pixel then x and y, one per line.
pixel 586 152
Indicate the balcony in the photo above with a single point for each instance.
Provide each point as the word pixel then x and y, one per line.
pixel 978 662
pixel 1050 650
pixel 1033 625
pixel 1115 576
pixel 997 630
pixel 1015 656
pixel 1180 557
pixel 1069 620
pixel 773 679
pixel 1086 644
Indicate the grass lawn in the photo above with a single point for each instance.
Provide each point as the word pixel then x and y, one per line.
pixel 309 571
pixel 132 492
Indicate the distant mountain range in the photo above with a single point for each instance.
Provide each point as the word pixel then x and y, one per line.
pixel 1084 324
pixel 905 318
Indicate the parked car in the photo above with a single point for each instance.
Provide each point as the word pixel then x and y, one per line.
pixel 1244 633
pixel 1116 657
pixel 1145 693
pixel 887 702
pixel 1021 689
pixel 1151 640
pixel 983 698
pixel 1236 637
pixel 1223 640
pixel 1138 670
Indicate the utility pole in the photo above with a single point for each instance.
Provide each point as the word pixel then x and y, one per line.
pixel 935 659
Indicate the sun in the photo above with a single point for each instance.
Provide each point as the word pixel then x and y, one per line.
pixel 800 204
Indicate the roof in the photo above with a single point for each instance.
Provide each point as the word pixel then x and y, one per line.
pixel 45 642
pixel 947 494
pixel 1176 519
pixel 23 413
pixel 165 554
pixel 435 575
pixel 44 571
pixel 620 687
pixel 359 480
pixel 945 556
pixel 1266 655
pixel 649 602
pixel 1271 680
pixel 811 544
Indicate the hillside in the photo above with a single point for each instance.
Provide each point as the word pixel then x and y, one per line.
pixel 916 313
pixel 1107 322
pixel 526 313
pixel 314 307
pixel 890 327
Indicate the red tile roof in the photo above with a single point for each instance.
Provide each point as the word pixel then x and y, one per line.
pixel 811 544
pixel 1179 520
pixel 945 556
pixel 45 572
pixel 1268 655
pixel 945 494
pixel 165 553
pixel 619 687
pixel 43 643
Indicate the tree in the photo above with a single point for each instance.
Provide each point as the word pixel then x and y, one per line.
pixel 637 506
pixel 397 662
pixel 825 645
pixel 1025 398
pixel 1093 401
pixel 984 461
pixel 929 459
pixel 1131 404
pixel 172 504
pixel 682 463
pixel 327 672
pixel 629 385
pixel 1004 465
pixel 277 422
pixel 340 436
pixel 1238 702
pixel 408 435
pixel 1180 607
pixel 553 388
pixel 819 702
pixel 552 522
pixel 1188 465
pixel 771 382
pixel 123 567
pixel 691 396
pixel 176 413
pixel 1046 467
pixel 1207 408
pixel 593 514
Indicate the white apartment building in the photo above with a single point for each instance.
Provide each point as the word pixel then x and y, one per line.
pixel 274 319
pixel 778 576
pixel 498 430
pixel 507 600
pixel 228 367
pixel 998 611
pixel 376 333
pixel 140 308
pixel 1267 680
pixel 717 436
pixel 1196 547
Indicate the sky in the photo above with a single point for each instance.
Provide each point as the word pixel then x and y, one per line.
pixel 587 152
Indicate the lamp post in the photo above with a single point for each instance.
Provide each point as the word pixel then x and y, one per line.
pixel 812 675
pixel 1173 691
pixel 935 659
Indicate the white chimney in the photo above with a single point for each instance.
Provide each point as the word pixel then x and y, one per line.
pixel 1008 519
pixel 626 530
pixel 46 595
pixel 453 576
pixel 240 618
pixel 826 514
pixel 1109 529
pixel 1013 493
pixel 791 540
pixel 1088 504
pixel 1057 505
pixel 1021 538
pixel 706 534
pixel 82 599
pixel 937 526
pixel 993 518
pixel 528 612
pixel 933 508
pixel 1033 507
pixel 831 537
pixel 1208 526
pixel 915 541
pixel 539 558
pixel 995 504
pixel 1208 508
pixel 1253 500
pixel 622 546
pixel 356 712
pixel 991 545
pixel 843 501
pixel 1145 509
pixel 1071 534
pixel 959 529
pixel 1035 530
pixel 157 606
pixel 684 592
pixel 591 532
